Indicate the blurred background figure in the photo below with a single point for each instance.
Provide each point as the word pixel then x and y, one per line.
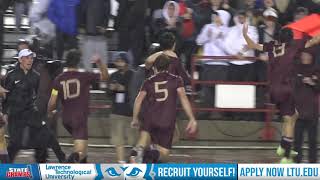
pixel 21 7
pixel 211 38
pixel 93 19
pixel 63 14
pixel 131 22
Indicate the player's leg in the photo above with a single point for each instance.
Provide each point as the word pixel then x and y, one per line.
pixel 118 136
pixel 298 139
pixel 289 115
pixel 4 157
pixel 312 139
pixel 81 147
pixel 137 153
pixel 162 142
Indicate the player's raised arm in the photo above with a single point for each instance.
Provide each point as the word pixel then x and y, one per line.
pixel 104 75
pixel 137 108
pixel 250 42
pixel 314 41
pixel 150 60
pixel 192 125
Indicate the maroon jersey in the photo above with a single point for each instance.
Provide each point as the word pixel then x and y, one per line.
pixel 161 100
pixel 73 90
pixel 281 57
pixel 177 69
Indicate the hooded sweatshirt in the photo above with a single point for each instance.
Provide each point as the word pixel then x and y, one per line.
pixel 212 44
pixel 235 43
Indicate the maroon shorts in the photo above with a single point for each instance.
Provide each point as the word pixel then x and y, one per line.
pixel 77 126
pixel 160 135
pixel 283 97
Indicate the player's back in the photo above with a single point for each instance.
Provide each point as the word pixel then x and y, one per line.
pixel 281 58
pixel 161 100
pixel 73 90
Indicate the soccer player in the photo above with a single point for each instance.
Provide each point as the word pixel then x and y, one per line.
pixel 281 55
pixel 72 87
pixel 168 45
pixel 159 114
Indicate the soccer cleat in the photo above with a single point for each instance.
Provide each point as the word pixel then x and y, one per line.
pixel 281 152
pixel 137 155
pixel 286 161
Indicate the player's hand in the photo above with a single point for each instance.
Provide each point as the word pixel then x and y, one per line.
pixel 309 81
pixel 263 57
pixel 51 114
pixel 192 127
pixel 96 59
pixel 245 28
pixel 135 123
pixel 112 87
pixel 121 88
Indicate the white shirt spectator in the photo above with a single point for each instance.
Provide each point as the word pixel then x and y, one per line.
pixel 212 36
pixel 235 43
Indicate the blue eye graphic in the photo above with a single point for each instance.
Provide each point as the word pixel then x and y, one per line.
pixel 134 172
pixel 112 172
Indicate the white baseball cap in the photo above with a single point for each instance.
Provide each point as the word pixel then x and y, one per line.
pixel 270 12
pixel 25 53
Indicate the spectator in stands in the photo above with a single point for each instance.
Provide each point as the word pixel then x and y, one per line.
pixel 216 5
pixel 307 88
pixel 236 45
pixel 21 7
pixel 169 21
pixel 94 21
pixel 285 9
pixel 268 29
pixel 121 110
pixel 188 33
pixel 63 14
pixel 300 13
pixel 211 37
pixel 131 28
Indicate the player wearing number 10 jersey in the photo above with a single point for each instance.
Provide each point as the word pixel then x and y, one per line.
pixel 72 87
pixel 159 115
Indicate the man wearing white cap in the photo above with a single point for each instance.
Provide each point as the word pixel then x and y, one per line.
pixel 19 105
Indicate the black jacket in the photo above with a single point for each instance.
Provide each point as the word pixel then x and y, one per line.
pixel 22 91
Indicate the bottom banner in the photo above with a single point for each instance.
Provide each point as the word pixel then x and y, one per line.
pixel 159 171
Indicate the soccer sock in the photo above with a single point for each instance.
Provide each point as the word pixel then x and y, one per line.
pixel 286 144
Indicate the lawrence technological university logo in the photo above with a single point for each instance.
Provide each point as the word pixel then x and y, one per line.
pixel 19 173
pixel 126 171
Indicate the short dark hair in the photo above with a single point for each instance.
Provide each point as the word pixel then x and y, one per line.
pixel 241 13
pixel 162 63
pixel 285 35
pixel 167 40
pixel 73 58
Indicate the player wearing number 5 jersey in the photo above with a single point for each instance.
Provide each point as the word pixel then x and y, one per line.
pixel 72 88
pixel 159 116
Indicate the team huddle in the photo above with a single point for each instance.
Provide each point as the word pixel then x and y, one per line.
pixel 155 107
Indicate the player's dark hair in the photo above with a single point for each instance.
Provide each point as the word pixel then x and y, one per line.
pixel 73 58
pixel 162 63
pixel 167 41
pixel 285 35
